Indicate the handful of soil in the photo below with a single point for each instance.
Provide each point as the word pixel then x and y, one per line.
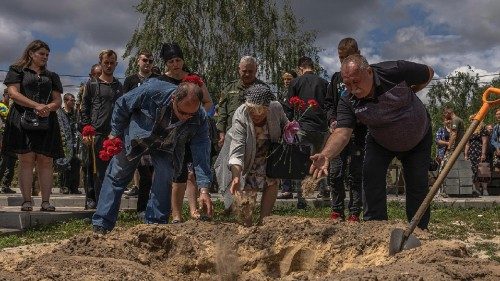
pixel 309 184
pixel 244 206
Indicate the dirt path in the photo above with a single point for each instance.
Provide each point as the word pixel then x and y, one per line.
pixel 284 248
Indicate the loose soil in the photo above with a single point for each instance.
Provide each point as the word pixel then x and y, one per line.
pixel 282 248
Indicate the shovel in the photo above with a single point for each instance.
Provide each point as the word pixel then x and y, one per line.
pixel 404 239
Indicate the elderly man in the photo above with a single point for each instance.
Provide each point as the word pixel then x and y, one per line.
pixel 382 96
pixel 232 95
pixel 157 118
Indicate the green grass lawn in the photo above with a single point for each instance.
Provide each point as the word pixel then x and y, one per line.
pixel 446 223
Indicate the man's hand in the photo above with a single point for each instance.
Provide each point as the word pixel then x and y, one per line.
pixel 319 166
pixel 222 137
pixel 205 202
pixel 235 185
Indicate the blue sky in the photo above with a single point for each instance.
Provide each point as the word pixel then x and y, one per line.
pixel 448 35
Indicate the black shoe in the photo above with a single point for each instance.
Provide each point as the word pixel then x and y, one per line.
pixel 302 204
pixel 75 191
pixel 134 191
pixel 64 190
pixel 100 230
pixel 7 190
pixel 90 204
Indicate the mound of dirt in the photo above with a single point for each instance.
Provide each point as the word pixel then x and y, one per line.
pixel 283 248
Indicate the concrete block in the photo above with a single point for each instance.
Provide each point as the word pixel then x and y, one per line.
pixel 452 182
pixel 465 181
pixel 452 189
pixel 452 174
pixel 466 190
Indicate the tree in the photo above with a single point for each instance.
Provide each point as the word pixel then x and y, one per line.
pixel 215 34
pixel 459 92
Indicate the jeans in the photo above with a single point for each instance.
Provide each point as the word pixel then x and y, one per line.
pixel 119 174
pixel 416 168
pixel 339 171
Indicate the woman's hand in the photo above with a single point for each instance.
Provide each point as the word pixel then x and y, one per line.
pixel 42 110
pixel 482 158
pixel 235 185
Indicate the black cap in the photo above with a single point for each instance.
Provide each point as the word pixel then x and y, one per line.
pixel 170 51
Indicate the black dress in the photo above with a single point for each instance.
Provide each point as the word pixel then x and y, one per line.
pixel 37 88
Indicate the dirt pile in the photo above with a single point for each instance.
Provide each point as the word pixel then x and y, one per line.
pixel 286 248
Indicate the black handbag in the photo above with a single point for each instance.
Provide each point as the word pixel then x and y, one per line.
pixel 30 121
pixel 288 161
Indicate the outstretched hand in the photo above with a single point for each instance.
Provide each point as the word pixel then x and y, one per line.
pixel 235 184
pixel 206 204
pixel 319 166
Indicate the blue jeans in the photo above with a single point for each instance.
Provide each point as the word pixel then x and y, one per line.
pixel 119 174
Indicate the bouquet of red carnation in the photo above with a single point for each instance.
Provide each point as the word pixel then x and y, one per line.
pixel 193 78
pixel 300 107
pixel 110 147
pixel 88 131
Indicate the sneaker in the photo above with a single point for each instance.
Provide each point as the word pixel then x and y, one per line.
pixel 353 218
pixel 100 230
pixel 336 216
pixel 285 195
pixel 90 204
pixel 132 192
pixel 7 190
pixel 64 190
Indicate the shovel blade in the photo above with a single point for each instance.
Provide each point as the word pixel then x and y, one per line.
pixel 398 243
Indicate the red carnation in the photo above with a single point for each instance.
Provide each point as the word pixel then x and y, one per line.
pixel 88 131
pixel 118 143
pixel 312 103
pixel 104 155
pixel 107 143
pixel 192 78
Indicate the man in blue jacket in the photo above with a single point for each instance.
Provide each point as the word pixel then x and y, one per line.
pixel 158 118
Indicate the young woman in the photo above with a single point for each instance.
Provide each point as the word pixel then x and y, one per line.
pixel 175 73
pixel 36 90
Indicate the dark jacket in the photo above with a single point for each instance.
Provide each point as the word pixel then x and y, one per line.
pixel 97 105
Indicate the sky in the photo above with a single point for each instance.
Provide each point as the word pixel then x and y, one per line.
pixel 448 35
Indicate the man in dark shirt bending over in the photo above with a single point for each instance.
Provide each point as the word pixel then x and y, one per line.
pixel 382 96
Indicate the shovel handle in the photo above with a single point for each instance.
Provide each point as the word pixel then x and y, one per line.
pixel 447 167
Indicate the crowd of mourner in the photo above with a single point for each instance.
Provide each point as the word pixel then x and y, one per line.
pixel 160 136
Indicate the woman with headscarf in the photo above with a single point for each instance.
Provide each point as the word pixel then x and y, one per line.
pixel 241 165
pixel 175 73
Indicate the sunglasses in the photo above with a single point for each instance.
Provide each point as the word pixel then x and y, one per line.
pixel 147 60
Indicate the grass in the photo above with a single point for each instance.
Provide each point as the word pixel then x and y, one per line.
pixel 446 223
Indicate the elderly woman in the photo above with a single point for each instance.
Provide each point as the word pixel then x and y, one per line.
pixel 241 164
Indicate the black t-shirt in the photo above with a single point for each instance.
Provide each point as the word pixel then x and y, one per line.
pixel 386 75
pixel 33 86
pixel 134 81
pixel 169 79
pixel 310 86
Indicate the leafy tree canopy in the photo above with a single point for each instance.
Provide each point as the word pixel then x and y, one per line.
pixel 215 34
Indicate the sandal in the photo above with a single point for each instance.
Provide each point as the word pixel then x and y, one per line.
pixel 47 207
pixel 176 221
pixel 27 206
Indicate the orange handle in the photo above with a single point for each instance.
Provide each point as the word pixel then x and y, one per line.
pixel 487 103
